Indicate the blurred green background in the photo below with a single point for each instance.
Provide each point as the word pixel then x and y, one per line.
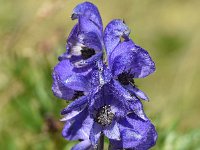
pixel 33 35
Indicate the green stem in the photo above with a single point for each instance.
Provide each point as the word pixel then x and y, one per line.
pixel 100 145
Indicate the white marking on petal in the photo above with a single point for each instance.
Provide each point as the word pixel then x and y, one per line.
pixel 101 80
pixel 135 135
pixel 80 63
pixel 112 131
pixel 76 49
pixel 70 115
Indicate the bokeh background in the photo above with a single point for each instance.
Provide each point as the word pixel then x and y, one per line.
pixel 33 35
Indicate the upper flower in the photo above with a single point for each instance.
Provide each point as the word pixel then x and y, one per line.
pixel 85 42
pixel 126 60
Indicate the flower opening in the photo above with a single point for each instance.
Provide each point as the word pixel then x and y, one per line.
pixel 87 52
pixel 104 115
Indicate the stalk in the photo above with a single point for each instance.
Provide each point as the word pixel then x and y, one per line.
pixel 100 145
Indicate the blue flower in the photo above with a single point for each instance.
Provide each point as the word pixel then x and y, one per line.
pixel 105 98
pixel 105 110
pixel 136 134
pixel 109 113
pixel 107 106
pixel 126 60
pixel 85 42
pixel 70 83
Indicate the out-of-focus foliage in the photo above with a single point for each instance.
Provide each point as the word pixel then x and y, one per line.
pixel 33 34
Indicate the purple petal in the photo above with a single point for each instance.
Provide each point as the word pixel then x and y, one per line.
pixel 73 35
pixel 71 41
pixel 112 34
pixel 60 90
pixel 137 108
pixel 63 69
pixel 131 58
pixel 87 26
pixel 129 103
pixel 145 65
pixel 84 145
pixel 69 78
pixel 121 57
pixel 59 74
pixel 74 108
pixel 94 58
pixel 112 131
pixel 119 89
pixel 84 34
pixel 137 92
pixel 78 127
pixel 107 75
pixel 77 82
pixel 90 11
pixel 109 95
pixel 135 133
pixel 89 62
pixel 95 133
pixel 72 114
pixel 91 40
pixel 119 100
pixel 75 105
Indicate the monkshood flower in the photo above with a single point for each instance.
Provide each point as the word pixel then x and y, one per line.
pixel 108 113
pixel 85 42
pixel 106 100
pixel 126 60
pixel 107 110
pixel 70 83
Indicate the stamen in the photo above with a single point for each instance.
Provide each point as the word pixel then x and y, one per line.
pixel 125 78
pixel 104 115
pixel 77 94
pixel 87 52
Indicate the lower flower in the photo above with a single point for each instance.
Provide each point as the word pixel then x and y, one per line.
pixel 111 115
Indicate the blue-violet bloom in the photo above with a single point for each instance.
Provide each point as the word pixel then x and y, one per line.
pixel 105 98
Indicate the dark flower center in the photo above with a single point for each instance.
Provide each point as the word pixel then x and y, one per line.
pixel 87 52
pixel 77 94
pixel 125 78
pixel 104 116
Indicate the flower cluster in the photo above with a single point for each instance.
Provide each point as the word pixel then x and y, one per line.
pixel 97 74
